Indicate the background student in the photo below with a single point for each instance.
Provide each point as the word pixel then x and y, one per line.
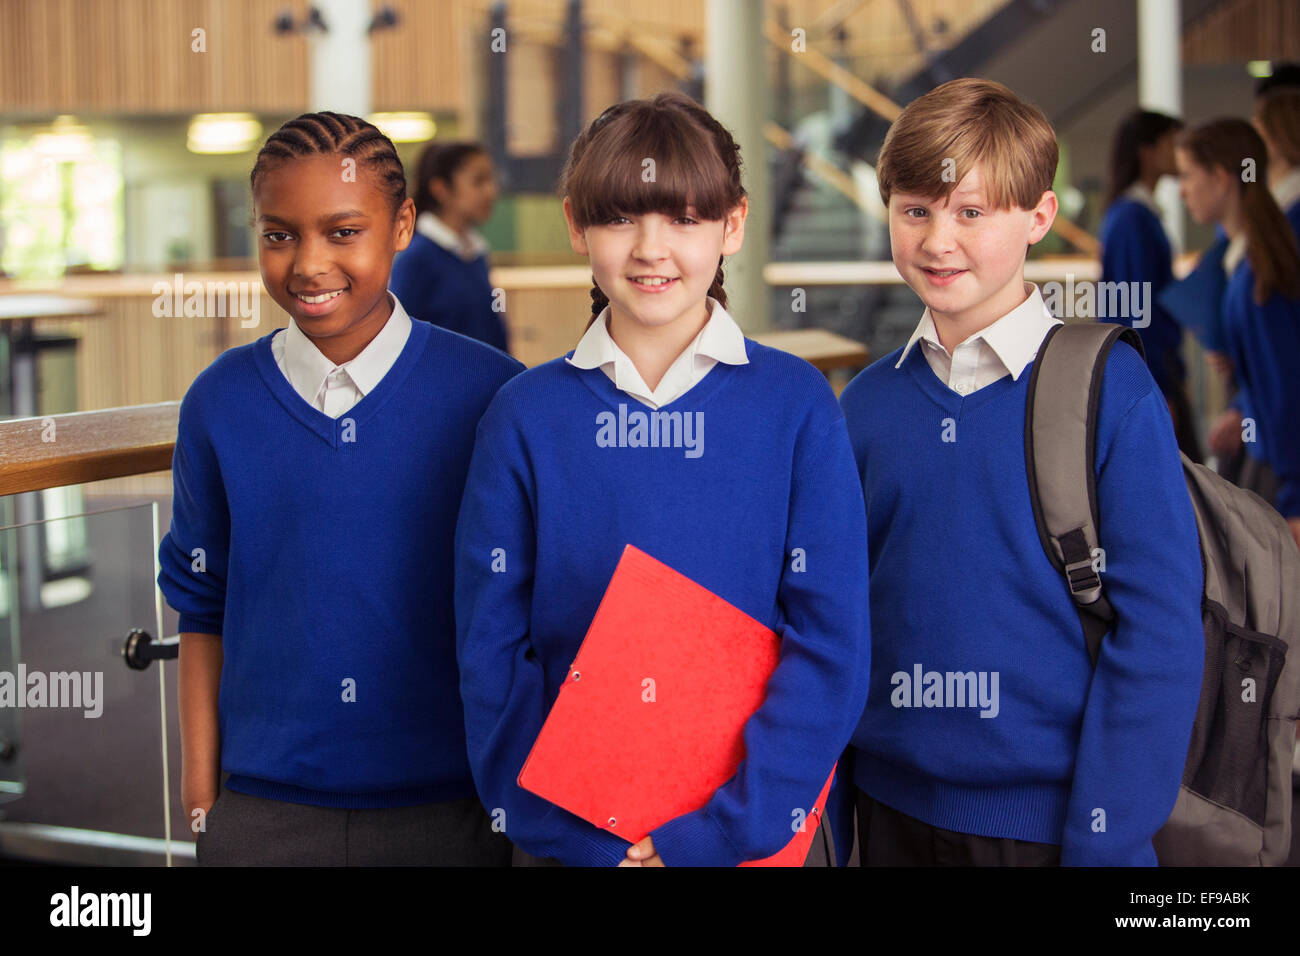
pixel 443 274
pixel 1261 307
pixel 769 514
pixel 1136 249
pixel 1277 119
pixel 318 472
pixel 1054 763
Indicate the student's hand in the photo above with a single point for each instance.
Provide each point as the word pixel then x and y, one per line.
pixel 1220 362
pixel 1225 435
pixel 645 853
pixel 195 798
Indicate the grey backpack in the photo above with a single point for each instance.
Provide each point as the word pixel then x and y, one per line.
pixel 1234 807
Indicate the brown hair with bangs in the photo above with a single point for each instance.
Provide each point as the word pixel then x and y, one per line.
pixel 658 155
pixel 963 123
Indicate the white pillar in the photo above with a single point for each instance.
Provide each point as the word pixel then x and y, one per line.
pixel 339 61
pixel 735 92
pixel 1160 88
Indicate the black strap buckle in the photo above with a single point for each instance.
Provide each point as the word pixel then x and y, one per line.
pixel 1081 576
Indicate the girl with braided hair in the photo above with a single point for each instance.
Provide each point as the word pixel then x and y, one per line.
pixel 317 474
pixel 768 514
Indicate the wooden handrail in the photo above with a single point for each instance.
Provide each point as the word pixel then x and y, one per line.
pixel 59 450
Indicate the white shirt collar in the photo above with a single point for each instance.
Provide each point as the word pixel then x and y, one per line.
pixel 1234 253
pixel 720 339
pixel 431 227
pixel 1014 338
pixel 307 368
pixel 1287 190
pixel 1139 193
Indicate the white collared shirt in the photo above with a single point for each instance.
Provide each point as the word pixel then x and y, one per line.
pixel 1234 253
pixel 469 248
pixel 333 389
pixel 1003 348
pixel 1287 191
pixel 721 340
pixel 1139 193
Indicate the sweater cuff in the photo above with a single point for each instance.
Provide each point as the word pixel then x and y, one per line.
pixel 595 848
pixel 201 624
pixel 694 839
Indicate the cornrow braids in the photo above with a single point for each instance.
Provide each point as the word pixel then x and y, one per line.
pixel 324 134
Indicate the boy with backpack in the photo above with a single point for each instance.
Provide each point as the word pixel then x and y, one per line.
pixel 988 737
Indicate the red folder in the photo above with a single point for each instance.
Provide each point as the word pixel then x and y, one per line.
pixel 649 721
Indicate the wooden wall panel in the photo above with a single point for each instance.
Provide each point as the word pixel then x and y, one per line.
pixel 420 65
pixel 1237 31
pixel 135 56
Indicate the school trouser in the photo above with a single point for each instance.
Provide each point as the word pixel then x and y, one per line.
pixel 887 837
pixel 242 830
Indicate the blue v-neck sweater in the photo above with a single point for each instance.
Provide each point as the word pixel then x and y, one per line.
pixel 960 585
pixel 440 287
pixel 320 549
pixel 761 506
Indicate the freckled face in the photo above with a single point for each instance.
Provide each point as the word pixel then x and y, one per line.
pixel 964 258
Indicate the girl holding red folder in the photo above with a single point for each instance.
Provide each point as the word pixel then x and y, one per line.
pixel 752 493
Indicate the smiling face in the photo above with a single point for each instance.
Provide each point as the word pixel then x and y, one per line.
pixel 962 257
pixel 326 247
pixel 1205 191
pixel 656 269
pixel 469 199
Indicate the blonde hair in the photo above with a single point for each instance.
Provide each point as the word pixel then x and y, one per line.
pixel 965 123
pixel 1278 116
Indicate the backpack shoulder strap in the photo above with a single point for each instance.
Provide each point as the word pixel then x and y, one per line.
pixel 1060 457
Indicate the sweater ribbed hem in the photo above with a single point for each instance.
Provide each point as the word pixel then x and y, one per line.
pixel 200 624
pixel 694 839
pixel 375 800
pixel 1034 812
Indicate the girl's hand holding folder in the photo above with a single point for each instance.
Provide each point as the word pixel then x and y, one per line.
pixel 643 853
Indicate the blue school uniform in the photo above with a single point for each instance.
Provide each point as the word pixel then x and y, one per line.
pixel 771 473
pixel 1135 248
pixel 1263 342
pixel 439 286
pixel 320 550
pixel 985 715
